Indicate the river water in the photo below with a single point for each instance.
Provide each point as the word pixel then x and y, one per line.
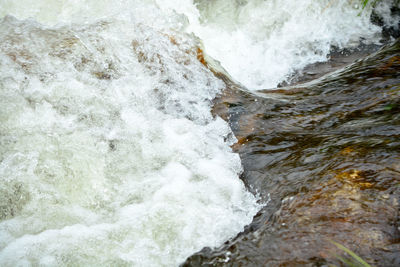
pixel 110 153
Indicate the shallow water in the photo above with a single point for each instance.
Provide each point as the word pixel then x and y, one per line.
pixel 326 156
pixel 114 153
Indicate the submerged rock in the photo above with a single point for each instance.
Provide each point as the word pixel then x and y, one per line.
pixel 325 156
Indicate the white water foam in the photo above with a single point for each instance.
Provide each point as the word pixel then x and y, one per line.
pixel 262 42
pixel 109 153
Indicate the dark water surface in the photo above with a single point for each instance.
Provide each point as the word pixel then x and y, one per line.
pixel 326 155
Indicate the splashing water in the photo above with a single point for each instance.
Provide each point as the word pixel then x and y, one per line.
pixel 261 43
pixel 109 153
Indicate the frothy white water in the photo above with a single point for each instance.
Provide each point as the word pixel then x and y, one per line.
pixel 262 42
pixel 109 153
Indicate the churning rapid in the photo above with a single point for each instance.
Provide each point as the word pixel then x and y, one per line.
pixel 109 152
pixel 262 42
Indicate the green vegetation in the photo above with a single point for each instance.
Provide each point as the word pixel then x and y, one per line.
pixel 365 3
pixel 354 260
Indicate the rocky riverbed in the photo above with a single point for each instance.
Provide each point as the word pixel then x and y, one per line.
pixel 325 156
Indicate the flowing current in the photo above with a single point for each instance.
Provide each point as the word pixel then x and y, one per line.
pixel 109 152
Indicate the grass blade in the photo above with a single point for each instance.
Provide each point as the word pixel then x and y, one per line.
pixel 351 253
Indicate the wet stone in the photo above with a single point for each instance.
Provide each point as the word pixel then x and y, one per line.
pixel 325 155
